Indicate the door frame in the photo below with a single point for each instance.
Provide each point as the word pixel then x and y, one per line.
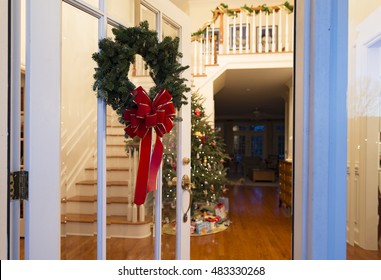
pixel 4 92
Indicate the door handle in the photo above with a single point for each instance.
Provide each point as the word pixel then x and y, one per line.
pixel 186 185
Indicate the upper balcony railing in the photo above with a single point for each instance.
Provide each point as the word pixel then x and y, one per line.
pixel 246 30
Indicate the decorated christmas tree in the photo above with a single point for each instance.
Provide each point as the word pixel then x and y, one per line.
pixel 208 173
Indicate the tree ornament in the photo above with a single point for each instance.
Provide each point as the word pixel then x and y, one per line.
pixel 197 112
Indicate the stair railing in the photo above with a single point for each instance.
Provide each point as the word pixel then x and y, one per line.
pixel 246 30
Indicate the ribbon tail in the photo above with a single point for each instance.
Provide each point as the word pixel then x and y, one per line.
pixel 157 156
pixel 143 169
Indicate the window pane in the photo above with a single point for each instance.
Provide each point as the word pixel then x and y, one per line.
pixel 122 11
pixel 94 3
pixel 78 133
pixel 170 30
pixel 257 145
pixel 148 15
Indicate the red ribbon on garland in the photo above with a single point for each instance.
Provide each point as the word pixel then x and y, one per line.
pixel 158 115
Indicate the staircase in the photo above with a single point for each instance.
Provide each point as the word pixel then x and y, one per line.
pixel 80 210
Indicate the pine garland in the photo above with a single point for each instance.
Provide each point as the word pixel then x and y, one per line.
pixel 115 58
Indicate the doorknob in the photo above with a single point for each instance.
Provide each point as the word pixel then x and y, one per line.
pixel 186 185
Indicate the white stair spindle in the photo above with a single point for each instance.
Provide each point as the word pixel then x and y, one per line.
pixel 273 33
pixel 234 39
pixel 280 41
pixel 253 37
pixel 227 35
pixel 240 34
pixel 195 57
pixel 260 33
pixel 207 46
pixel 267 34
pixel 213 46
pixel 247 34
pixel 287 46
pixel 201 57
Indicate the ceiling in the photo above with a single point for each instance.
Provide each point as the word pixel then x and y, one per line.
pixel 251 94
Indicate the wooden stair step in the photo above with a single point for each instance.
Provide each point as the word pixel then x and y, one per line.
pixel 91 218
pixel 122 220
pixel 81 218
pixel 108 183
pixel 109 168
pixel 118 156
pixel 82 198
pixel 93 198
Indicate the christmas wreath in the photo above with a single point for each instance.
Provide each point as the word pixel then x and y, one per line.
pixel 140 111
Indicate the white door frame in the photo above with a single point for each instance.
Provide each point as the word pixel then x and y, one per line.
pixel 42 129
pixel 320 147
pixel 4 168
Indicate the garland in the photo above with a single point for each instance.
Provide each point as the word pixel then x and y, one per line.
pixel 223 8
pixel 115 58
pixel 142 112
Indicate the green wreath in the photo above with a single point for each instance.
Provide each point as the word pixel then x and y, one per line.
pixel 115 58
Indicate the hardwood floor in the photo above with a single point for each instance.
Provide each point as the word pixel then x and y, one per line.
pixel 259 230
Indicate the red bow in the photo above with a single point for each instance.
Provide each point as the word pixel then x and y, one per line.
pixel 157 114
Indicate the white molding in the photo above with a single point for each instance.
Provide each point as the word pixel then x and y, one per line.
pixel 42 129
pixel 320 130
pixel 3 125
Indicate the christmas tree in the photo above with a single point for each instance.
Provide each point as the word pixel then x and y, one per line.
pixel 208 173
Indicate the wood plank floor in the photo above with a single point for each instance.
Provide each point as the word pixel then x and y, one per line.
pixel 260 230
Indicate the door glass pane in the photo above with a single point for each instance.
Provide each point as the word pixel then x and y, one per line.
pixel 169 29
pixel 78 135
pixel 122 11
pixel 257 145
pixel 94 3
pixel 148 15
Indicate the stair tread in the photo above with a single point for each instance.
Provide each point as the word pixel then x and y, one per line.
pixel 116 219
pixel 83 218
pixel 109 168
pixel 82 198
pixel 108 183
pixel 117 156
pixel 93 198
pixel 91 218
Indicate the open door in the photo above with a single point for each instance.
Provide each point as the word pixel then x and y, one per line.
pixel 68 131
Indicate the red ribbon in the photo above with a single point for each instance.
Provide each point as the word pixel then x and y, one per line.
pixel 158 115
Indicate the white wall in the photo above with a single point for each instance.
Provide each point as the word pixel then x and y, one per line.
pixel 3 126
pixel 364 91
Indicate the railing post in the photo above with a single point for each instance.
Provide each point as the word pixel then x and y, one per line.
pixel 267 33
pixel 227 35
pixel 234 34
pixel 287 47
pixel 280 41
pixel 253 38
pixel 240 36
pixel 273 34
pixel 212 47
pixel 260 33
pixel 207 45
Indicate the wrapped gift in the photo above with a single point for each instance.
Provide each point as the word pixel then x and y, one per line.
pixel 225 201
pixel 203 227
pixel 212 220
pixel 220 211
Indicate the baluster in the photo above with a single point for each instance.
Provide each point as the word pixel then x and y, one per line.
pixel 207 46
pixel 286 43
pixel 247 34
pixel 234 34
pixel 212 46
pixel 260 33
pixel 194 57
pixel 273 34
pixel 280 41
pixel 227 37
pixel 240 34
pixel 201 57
pixel 267 33
pixel 253 37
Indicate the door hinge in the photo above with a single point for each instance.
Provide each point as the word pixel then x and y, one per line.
pixel 19 185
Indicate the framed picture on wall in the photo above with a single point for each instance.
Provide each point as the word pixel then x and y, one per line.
pixel 239 38
pixel 272 36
